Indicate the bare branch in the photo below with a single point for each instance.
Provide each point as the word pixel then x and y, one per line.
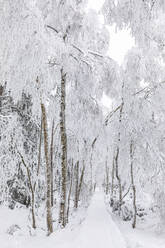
pixel 96 54
pixel 126 192
pixel 77 48
pixel 94 141
pixel 52 28
pixel 111 114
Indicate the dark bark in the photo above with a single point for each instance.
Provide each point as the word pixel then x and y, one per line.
pixel 118 178
pixel 31 190
pixel 63 134
pixel 69 194
pixel 133 186
pixel 51 161
pixel 106 178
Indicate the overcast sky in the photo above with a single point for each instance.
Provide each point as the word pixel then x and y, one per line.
pixel 120 42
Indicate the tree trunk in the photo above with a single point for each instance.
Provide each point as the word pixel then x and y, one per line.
pixel 39 155
pixel 51 162
pixel 91 173
pixel 80 184
pixel 33 213
pixel 31 190
pixel 91 165
pixel 133 186
pixel 117 155
pixel 76 184
pixel 48 171
pixel 33 187
pixel 70 191
pixel 112 180
pixel 63 150
pixel 118 178
pixel 106 178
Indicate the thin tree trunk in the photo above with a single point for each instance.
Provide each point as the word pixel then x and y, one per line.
pixel 39 154
pixel 33 213
pixel 48 171
pixel 91 172
pixel 51 161
pixel 118 178
pixel 31 189
pixel 91 165
pixel 112 180
pixel 56 174
pixel 63 150
pixel 39 149
pixel 133 186
pixel 117 155
pixel 81 181
pixel 76 184
pixel 70 191
pixel 107 178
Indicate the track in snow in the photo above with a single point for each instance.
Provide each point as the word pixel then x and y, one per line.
pixel 99 230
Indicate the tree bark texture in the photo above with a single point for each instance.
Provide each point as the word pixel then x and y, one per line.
pixel 76 184
pixel 48 171
pixel 63 135
pixel 69 194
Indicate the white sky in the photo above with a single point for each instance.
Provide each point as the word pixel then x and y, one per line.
pixel 95 4
pixel 120 42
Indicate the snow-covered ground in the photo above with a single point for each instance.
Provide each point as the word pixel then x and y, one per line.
pixel 140 237
pixel 99 229
pixel 146 235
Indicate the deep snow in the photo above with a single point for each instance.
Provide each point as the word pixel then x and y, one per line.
pixel 99 229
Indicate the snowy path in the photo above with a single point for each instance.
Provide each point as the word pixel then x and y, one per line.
pixel 99 230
